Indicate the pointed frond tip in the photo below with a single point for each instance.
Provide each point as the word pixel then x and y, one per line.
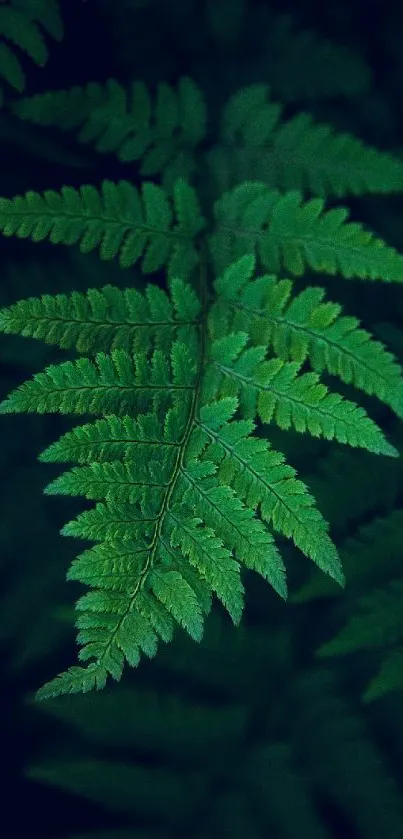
pixel 74 680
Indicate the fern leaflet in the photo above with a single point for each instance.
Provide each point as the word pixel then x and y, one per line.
pixel 161 134
pixel 291 235
pixel 298 154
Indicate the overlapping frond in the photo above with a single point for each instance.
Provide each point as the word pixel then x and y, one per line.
pixel 265 482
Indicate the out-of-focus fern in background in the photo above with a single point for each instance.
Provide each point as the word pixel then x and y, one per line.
pixel 292 724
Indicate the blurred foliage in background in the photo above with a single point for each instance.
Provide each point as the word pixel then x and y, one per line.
pixel 287 727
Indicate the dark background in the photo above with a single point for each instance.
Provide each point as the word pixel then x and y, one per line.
pixel 250 734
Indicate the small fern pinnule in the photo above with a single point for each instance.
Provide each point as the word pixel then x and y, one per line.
pixel 187 495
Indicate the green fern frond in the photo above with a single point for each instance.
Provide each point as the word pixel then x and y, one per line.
pixel 286 233
pixel 274 390
pixel 114 481
pixel 109 317
pixel 255 143
pixel 111 383
pixel 116 219
pixel 19 26
pixel 298 154
pixel 265 482
pixel 305 326
pixel 162 134
pixel 292 235
pixel 75 680
pixel 185 492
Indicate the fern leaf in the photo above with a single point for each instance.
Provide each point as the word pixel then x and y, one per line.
pixel 172 590
pixel 23 32
pixel 115 481
pixel 305 326
pixel 74 680
pixel 115 382
pixel 156 613
pixel 112 627
pixel 120 438
pixel 329 163
pixel 135 626
pixel 116 219
pixel 109 566
pixel 234 523
pixel 10 68
pixel 215 563
pixel 273 390
pixel 45 12
pixel 105 319
pixel 298 154
pixel 262 479
pixel 290 234
pixel 161 134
